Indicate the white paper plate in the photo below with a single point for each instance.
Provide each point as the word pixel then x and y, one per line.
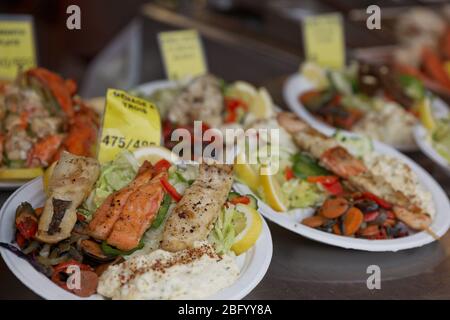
pixel 441 223
pixel 253 264
pixel 150 87
pixel 11 184
pixel 422 140
pixel 297 84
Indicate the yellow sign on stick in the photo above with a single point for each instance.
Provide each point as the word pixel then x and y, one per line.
pixel 323 39
pixel 17 47
pixel 182 53
pixel 128 123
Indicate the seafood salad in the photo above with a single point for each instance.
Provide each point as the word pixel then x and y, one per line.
pixel 342 185
pixel 138 231
pixel 211 100
pixel 375 101
pixel 424 46
pixel 40 117
pixel 436 132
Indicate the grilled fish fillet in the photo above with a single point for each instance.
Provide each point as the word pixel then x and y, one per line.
pixel 193 217
pixel 71 182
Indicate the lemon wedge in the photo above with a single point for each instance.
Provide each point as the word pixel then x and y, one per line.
pixel 47 175
pixel 245 173
pixel 259 101
pixel 272 192
pixel 20 173
pixel 250 233
pixel 426 114
pixel 154 154
pixel 262 106
pixel 314 74
pixel 243 91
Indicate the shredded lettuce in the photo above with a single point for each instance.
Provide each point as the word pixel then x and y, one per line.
pixel 301 194
pixel 114 175
pixel 228 225
pixel 441 137
pixel 163 99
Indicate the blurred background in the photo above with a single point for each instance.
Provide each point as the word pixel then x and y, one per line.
pixel 117 43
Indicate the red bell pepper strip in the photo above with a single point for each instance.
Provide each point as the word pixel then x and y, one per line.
pixel 62 267
pixel 231 117
pixel 20 240
pixel 232 105
pixel 322 179
pixel 336 100
pixel 242 199
pixel 334 188
pixel 330 183
pixel 170 189
pixel 161 165
pixel 27 227
pixel 289 173
pixel 379 201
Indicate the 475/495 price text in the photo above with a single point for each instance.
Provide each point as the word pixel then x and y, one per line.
pixel 125 143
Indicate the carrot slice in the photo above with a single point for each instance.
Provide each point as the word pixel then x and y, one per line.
pixel 370 231
pixel 314 221
pixel 39 211
pixel 352 221
pixel 337 229
pixel 306 97
pixel 334 207
pixel 434 67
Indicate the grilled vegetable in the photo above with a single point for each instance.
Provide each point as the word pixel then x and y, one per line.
pixel 94 251
pixel 71 182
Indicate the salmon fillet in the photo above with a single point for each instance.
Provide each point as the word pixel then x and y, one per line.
pixel 138 214
pixel 107 214
pixel 193 217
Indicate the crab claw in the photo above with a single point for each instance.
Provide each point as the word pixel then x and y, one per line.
pixel 43 151
pixel 61 89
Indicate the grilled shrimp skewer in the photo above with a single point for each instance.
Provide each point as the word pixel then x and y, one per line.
pixel 338 160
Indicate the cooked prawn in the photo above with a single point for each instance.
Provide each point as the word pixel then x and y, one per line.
pixel 43 151
pixel 342 163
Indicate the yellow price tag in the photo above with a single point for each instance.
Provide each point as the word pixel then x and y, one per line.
pixel 323 38
pixel 182 53
pixel 128 123
pixel 17 49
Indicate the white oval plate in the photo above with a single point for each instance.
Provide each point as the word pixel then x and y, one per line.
pixel 11 184
pixel 150 87
pixel 424 143
pixel 253 264
pixel 298 84
pixel 292 220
